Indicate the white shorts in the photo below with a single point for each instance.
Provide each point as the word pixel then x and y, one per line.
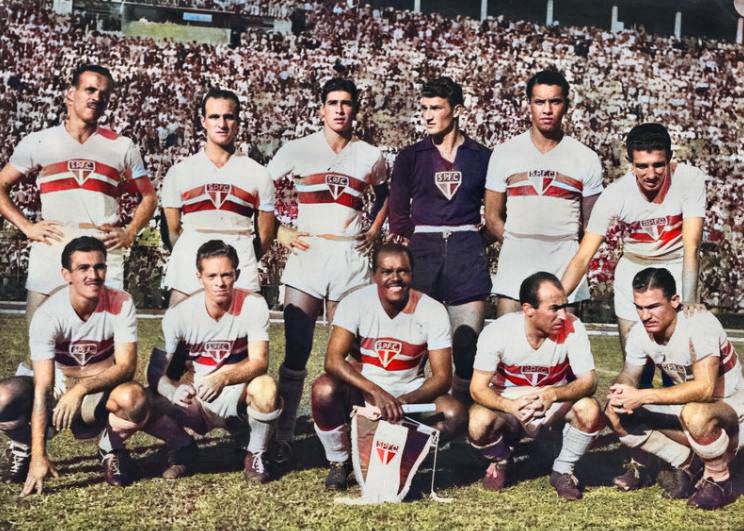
pixel 181 270
pixel 521 257
pixel 45 263
pixel 555 412
pixel 203 416
pixel 328 269
pixel 626 269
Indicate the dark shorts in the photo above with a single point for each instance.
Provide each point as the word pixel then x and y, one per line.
pixel 450 267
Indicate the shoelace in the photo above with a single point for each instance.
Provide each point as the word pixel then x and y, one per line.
pixel 705 482
pixel 112 462
pixel 19 458
pixel 258 464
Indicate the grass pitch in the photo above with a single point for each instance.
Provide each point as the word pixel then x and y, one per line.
pixel 216 496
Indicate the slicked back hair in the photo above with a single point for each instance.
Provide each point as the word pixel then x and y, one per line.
pixel 214 248
pixel 220 94
pixel 548 77
pixel 443 87
pixel 89 67
pixel 655 278
pixel 337 83
pixel 531 285
pixel 390 248
pixel 648 137
pixel 81 244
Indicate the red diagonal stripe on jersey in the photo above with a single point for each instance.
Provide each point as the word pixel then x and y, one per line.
pixel 91 184
pixel 570 181
pixel 516 375
pixel 394 364
pixel 56 168
pixel 407 349
pixel 324 196
pixel 520 190
pixel 562 193
pixel 235 357
pixel 320 178
pixel 516 178
pixel 104 350
pixel 244 195
pixel 728 358
pixel 200 206
pixel 192 193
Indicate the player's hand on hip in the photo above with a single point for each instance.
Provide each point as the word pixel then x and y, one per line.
pixel 390 407
pixel 45 231
pixel 67 408
pixel 365 241
pixel 692 308
pixel 38 470
pixel 184 395
pixel 115 237
pixel 292 239
pixel 211 386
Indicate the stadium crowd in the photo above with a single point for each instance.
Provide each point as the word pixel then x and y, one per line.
pixel 617 79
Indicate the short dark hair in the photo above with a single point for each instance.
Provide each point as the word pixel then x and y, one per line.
pixel 443 87
pixel 530 286
pixel 81 244
pixel 648 137
pixel 548 77
pixel 337 83
pixel 655 278
pixel 391 248
pixel 220 94
pixel 214 248
pixel 89 67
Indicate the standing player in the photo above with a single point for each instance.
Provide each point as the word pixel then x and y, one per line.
pixel 541 186
pixel 698 418
pixel 397 328
pixel 435 201
pixel 215 194
pixel 660 206
pixel 83 344
pixel 82 170
pixel 332 169
pixel 223 332
pixel 533 369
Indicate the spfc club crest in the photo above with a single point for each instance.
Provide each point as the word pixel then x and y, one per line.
pixel 535 374
pixel 541 180
pixel 653 227
pixel 83 351
pixel 386 451
pixel 81 169
pixel 448 182
pixel 387 350
pixel 336 184
pixel 218 350
pixel 218 193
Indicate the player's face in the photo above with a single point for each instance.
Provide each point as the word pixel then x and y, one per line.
pixel 337 112
pixel 88 101
pixel 656 312
pixel 439 117
pixel 550 314
pixel 548 105
pixel 220 121
pixel 218 277
pixel 87 273
pixel 393 277
pixel 650 169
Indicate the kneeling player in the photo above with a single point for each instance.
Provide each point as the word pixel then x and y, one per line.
pixel 534 369
pixel 223 332
pixel 397 329
pixel 696 419
pixel 83 344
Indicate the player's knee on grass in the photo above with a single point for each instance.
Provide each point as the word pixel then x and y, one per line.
pixel 455 416
pixel 263 394
pixel 326 403
pixel 129 401
pixel 299 328
pixel 586 415
pixel 703 421
pixel 16 397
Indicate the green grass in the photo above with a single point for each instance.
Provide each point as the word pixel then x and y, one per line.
pixel 216 496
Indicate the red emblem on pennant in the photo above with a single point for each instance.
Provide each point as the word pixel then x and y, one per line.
pixel 541 180
pixel 386 451
pixel 387 350
pixel 217 193
pixel 336 184
pixel 448 182
pixel 83 351
pixel 81 169
pixel 218 350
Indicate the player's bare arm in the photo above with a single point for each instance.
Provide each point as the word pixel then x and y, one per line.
pixel 587 204
pixel 581 387
pixel 579 264
pixel 339 346
pixel 180 394
pixel 40 466
pixel 692 235
pixel 440 381
pixel 366 240
pixel 522 408
pixel 495 214
pixel 123 237
pixel 256 364
pixel 266 231
pixel 173 220
pixel 45 231
pixel 292 239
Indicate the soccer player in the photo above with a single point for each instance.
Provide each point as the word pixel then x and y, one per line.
pixel 82 170
pixel 216 194
pixel 83 344
pixel 436 196
pixel 397 329
pixel 534 369
pixel 660 206
pixel 693 424
pixel 541 187
pixel 332 169
pixel 221 335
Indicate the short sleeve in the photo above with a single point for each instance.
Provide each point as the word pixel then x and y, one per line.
pixel 134 163
pixel 280 164
pixel 266 191
pixel 257 311
pixel 489 349
pixel 706 335
pixel 171 332
pixel 22 158
pixel 495 176
pixel 693 199
pixel 169 196
pixel 593 181
pixel 379 172
pixel 347 314
pixel 125 327
pixel 42 333
pixel 439 333
pixel 635 353
pixel 605 211
pixel 580 350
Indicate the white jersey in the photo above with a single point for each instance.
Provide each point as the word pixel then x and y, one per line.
pixel 212 344
pixel 694 338
pixel 503 349
pixel 543 190
pixel 218 198
pixel 394 351
pixel 82 348
pixel 651 230
pixel 79 183
pixel 329 185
